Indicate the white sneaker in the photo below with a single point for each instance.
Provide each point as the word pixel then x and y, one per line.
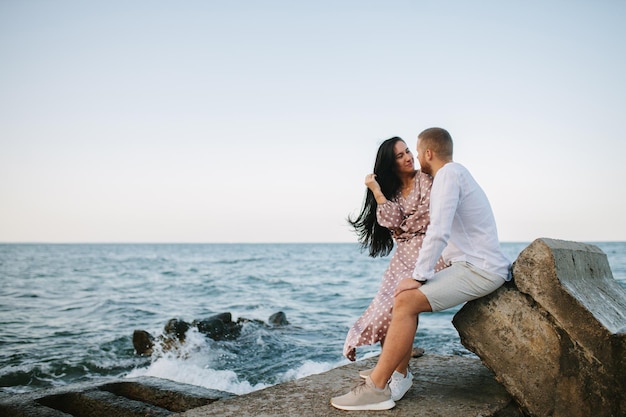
pixel 400 384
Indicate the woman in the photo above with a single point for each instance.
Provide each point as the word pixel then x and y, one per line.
pixel 395 208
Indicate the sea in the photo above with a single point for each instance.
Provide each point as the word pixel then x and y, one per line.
pixel 68 311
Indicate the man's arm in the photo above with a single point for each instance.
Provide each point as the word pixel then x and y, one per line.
pixel 444 200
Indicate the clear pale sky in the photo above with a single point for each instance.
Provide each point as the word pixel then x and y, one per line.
pixel 206 121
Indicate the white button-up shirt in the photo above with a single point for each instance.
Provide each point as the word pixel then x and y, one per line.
pixel 462 226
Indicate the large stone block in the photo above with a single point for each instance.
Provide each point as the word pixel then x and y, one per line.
pixel 556 336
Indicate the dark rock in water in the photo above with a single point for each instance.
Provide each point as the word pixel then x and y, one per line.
pixel 278 319
pixel 218 327
pixel 212 328
pixel 417 352
pixel 143 342
pixel 243 320
pixel 224 317
pixel 176 328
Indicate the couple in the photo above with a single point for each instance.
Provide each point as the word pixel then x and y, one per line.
pixel 459 256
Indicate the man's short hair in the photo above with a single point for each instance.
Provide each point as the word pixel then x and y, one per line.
pixel 437 140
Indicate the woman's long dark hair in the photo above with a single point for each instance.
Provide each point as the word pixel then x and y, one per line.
pixel 372 235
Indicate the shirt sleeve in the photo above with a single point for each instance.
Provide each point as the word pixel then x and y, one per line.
pixel 444 200
pixel 390 214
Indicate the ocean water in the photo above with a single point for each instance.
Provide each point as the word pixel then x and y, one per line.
pixel 68 312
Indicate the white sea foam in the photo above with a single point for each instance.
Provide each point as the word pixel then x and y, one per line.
pixel 191 363
pixel 183 371
pixel 306 369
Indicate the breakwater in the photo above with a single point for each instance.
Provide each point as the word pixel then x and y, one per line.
pixel 451 386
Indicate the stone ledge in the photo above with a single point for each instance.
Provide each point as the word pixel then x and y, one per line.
pixel 450 386
pixel 144 396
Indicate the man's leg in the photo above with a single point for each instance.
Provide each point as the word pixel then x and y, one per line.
pixel 399 340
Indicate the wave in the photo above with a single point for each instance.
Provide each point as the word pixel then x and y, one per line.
pixel 198 362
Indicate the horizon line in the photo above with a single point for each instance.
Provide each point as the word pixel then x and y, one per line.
pixel 248 243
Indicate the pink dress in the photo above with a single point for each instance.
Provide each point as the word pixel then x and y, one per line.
pixel 407 218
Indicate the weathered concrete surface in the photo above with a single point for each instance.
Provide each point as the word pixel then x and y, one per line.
pixel 145 396
pixel 444 386
pixel 556 337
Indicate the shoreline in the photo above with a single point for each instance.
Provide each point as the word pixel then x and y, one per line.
pixel 454 386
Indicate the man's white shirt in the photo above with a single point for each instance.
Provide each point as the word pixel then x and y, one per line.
pixel 462 226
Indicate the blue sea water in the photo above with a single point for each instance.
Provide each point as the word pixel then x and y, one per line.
pixel 68 311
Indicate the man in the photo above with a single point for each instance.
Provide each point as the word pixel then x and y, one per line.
pixel 463 231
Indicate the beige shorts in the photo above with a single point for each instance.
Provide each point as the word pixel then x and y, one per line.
pixel 458 283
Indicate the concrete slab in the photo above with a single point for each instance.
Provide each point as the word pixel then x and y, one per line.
pixel 450 386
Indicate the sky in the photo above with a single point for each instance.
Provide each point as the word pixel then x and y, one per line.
pixel 257 121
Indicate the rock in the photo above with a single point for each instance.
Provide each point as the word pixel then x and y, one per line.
pixel 417 352
pixel 176 328
pixel 278 319
pixel 555 337
pixel 218 327
pixel 143 342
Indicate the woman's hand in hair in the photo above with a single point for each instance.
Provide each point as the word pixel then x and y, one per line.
pixel 372 184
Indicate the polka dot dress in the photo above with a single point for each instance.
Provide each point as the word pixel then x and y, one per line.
pixel 407 218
